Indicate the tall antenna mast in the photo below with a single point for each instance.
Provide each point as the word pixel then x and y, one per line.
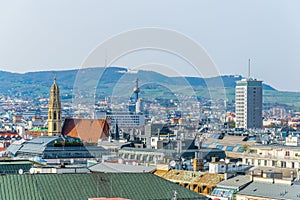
pixel 249 69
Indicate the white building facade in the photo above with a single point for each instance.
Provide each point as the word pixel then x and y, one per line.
pixel 124 119
pixel 273 156
pixel 248 104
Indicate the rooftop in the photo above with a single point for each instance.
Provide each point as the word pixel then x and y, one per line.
pixel 191 177
pixel 89 130
pixel 134 186
pixel 13 166
pixel 274 146
pixel 272 191
pixel 117 168
pixel 236 182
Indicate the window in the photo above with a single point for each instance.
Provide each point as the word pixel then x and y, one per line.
pixel 54 127
pixel 54 115
pixel 219 147
pixel 229 148
pixel 241 150
pixel 287 153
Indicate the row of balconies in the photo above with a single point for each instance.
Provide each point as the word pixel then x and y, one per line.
pixel 271 157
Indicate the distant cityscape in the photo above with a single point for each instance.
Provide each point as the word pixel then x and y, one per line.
pixel 170 146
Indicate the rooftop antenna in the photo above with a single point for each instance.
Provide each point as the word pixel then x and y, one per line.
pixel 174 195
pixel 249 68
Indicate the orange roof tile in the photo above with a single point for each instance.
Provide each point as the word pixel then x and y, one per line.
pixel 36 133
pixel 88 130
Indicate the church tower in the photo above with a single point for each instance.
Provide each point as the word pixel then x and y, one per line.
pixel 54 111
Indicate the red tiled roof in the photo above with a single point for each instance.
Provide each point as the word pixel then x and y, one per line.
pixel 9 133
pixel 88 130
pixel 35 134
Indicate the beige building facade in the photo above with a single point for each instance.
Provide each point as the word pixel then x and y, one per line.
pixel 273 156
pixel 54 111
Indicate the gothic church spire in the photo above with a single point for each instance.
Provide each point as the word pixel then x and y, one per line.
pixel 54 110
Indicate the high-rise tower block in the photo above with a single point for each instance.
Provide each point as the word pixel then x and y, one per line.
pixel 248 104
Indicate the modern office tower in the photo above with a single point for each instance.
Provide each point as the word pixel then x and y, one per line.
pixel 54 111
pixel 248 104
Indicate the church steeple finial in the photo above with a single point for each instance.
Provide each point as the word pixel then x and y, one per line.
pixel 54 78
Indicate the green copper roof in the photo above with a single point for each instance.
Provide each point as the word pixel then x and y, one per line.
pixel 13 167
pixel 133 186
pixel 38 129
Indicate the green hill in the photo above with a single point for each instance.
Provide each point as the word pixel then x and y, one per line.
pixel 118 81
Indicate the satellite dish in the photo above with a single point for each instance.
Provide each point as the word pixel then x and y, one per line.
pixel 20 171
pixel 172 163
pixel 31 171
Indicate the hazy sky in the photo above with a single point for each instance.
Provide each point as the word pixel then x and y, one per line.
pixel 56 34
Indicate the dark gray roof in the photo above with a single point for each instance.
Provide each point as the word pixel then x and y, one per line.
pixel 14 148
pixel 43 139
pixel 113 144
pixel 13 166
pixel 273 191
pixel 44 147
pixel 145 149
pixel 38 145
pixel 236 182
pixel 205 150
